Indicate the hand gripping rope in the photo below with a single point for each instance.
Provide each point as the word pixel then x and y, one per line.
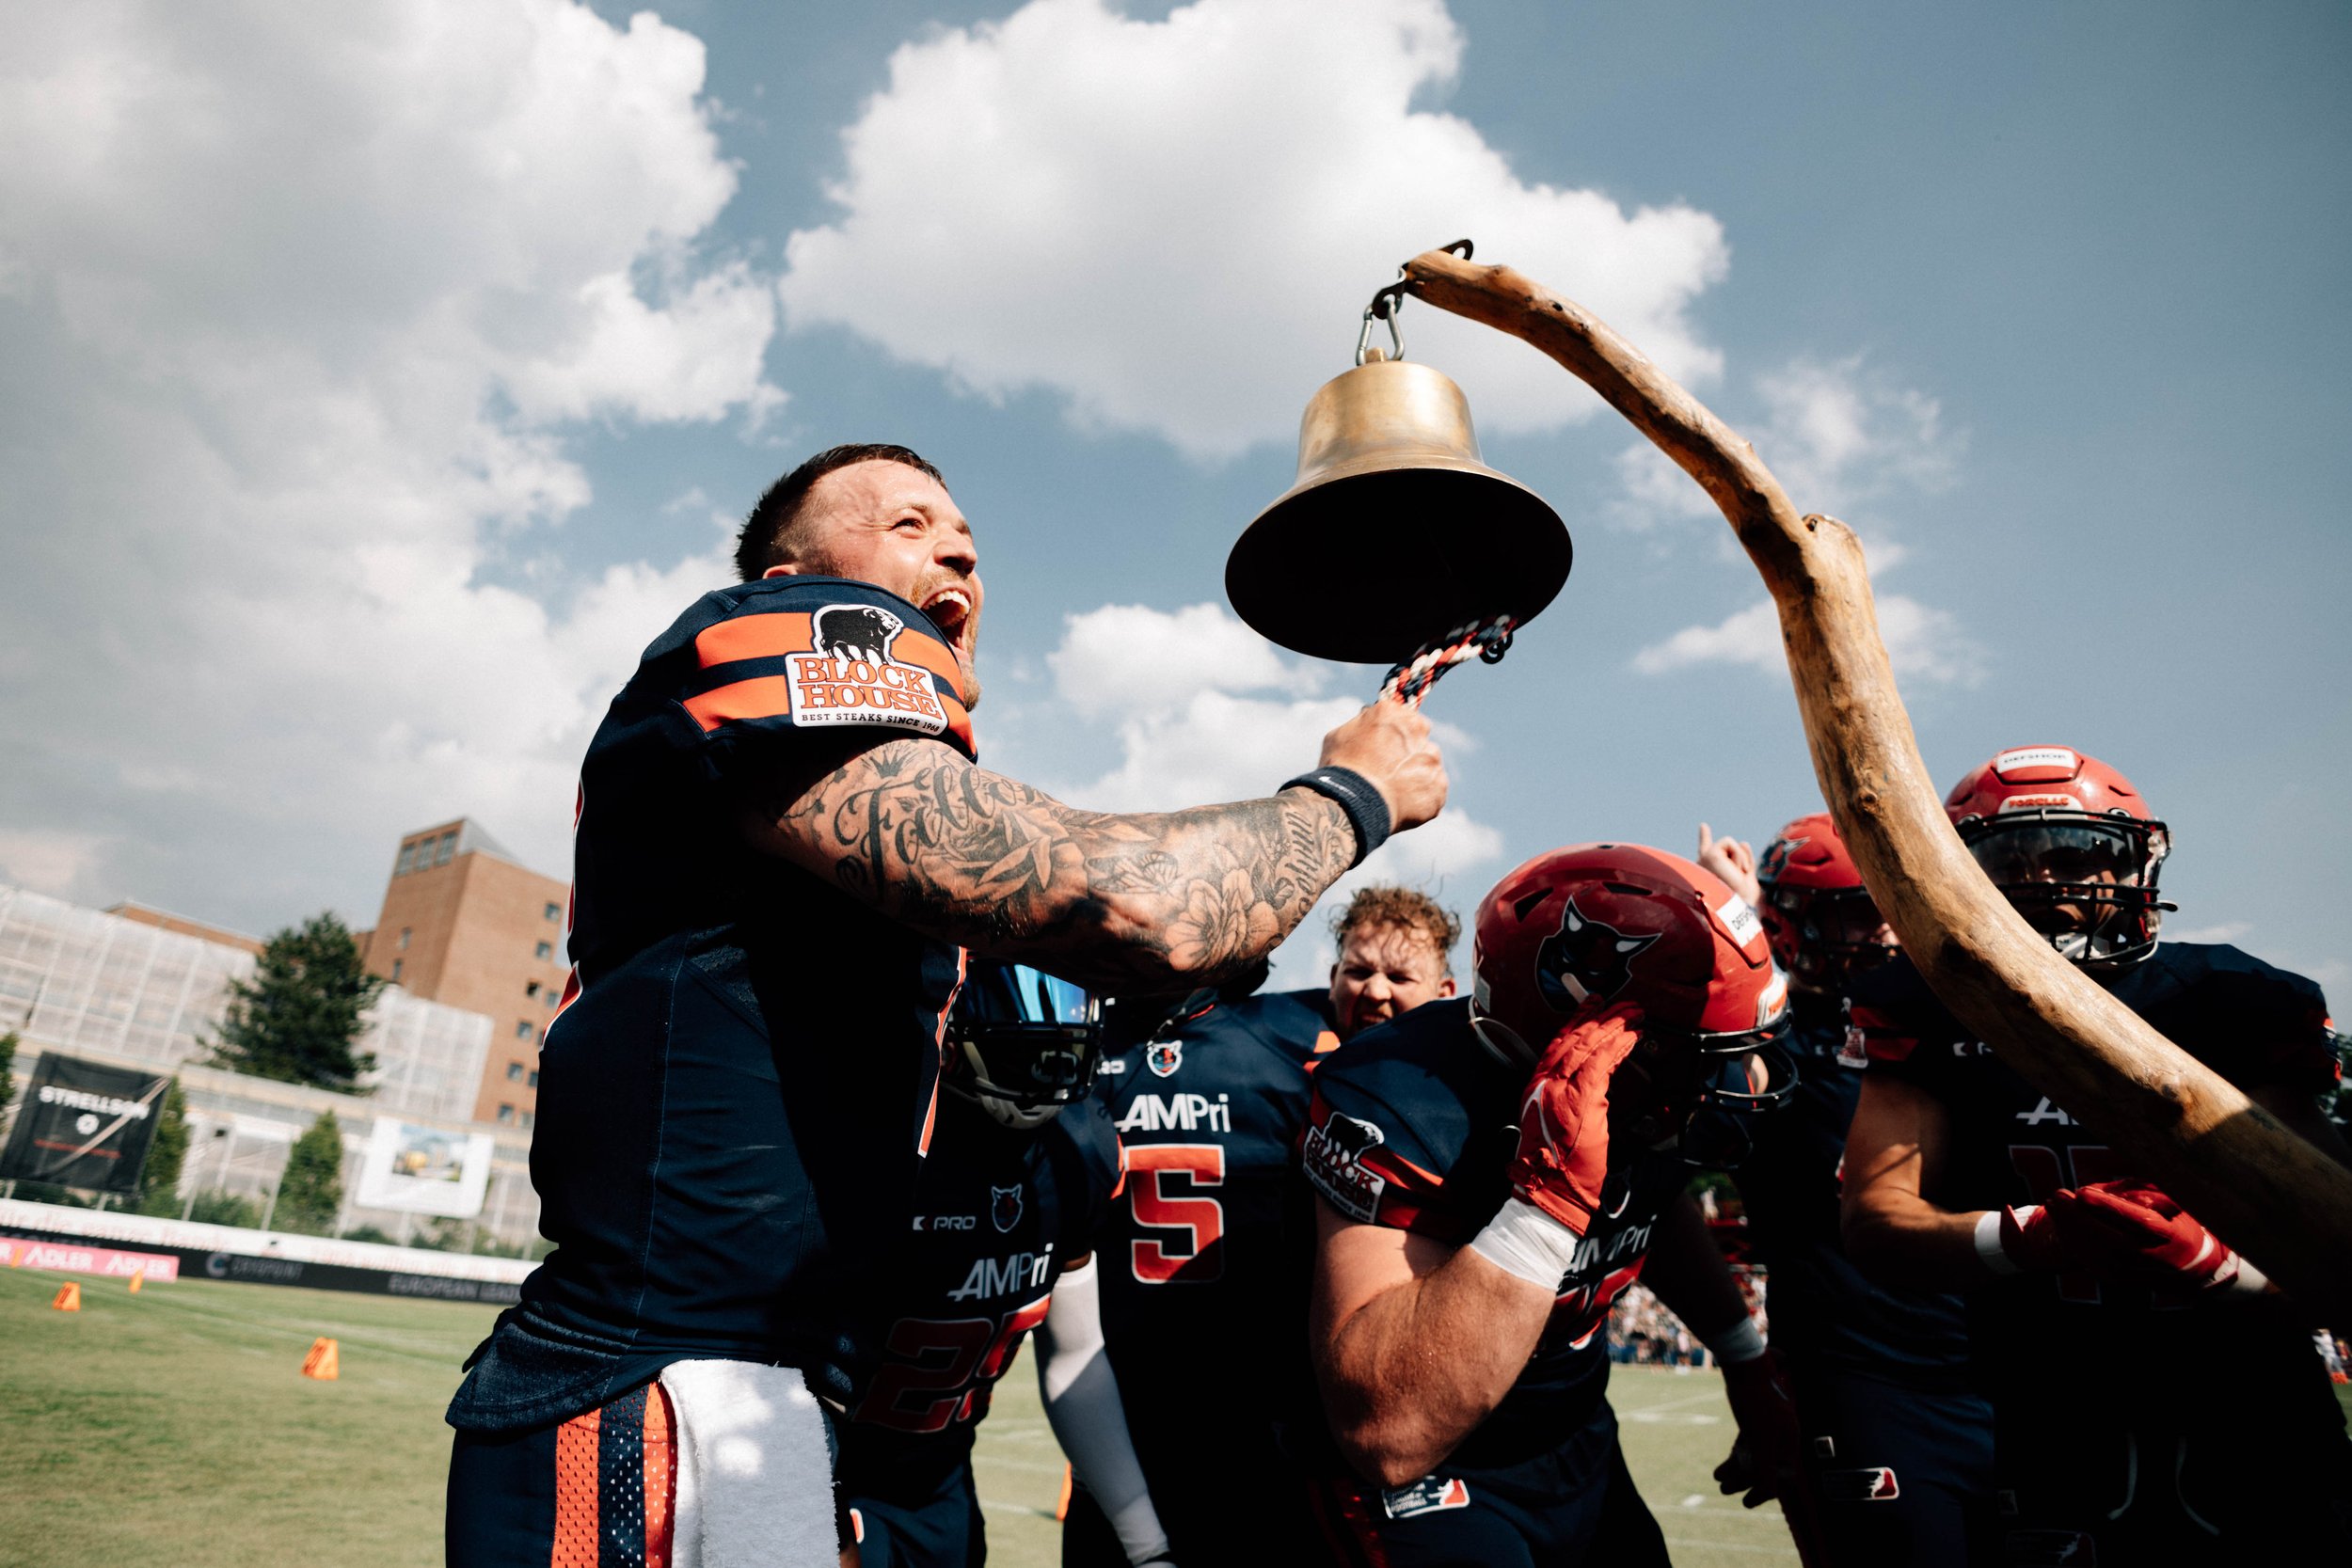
pixel 1410 681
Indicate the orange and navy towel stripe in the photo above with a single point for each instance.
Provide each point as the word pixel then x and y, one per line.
pixel 617 1484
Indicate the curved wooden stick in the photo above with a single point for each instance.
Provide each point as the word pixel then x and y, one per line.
pixel 2263 1190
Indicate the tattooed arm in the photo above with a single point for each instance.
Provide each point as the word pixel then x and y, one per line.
pixel 920 832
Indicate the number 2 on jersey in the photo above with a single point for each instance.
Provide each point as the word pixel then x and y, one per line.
pixel 1166 1181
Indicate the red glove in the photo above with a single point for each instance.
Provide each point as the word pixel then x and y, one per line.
pixel 2142 1230
pixel 1563 1155
pixel 2039 1239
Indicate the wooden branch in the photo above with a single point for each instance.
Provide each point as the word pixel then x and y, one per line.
pixel 2266 1192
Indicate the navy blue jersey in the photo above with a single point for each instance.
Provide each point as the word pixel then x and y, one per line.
pixel 1824 1312
pixel 1204 1289
pixel 1413 1126
pixel 2040 1338
pixel 736 1090
pixel 999 1216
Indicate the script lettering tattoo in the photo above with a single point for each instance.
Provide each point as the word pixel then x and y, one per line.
pixel 971 856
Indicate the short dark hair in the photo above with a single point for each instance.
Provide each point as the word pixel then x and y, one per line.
pixel 1405 909
pixel 766 539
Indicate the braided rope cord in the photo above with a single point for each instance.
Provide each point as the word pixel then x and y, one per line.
pixel 1410 681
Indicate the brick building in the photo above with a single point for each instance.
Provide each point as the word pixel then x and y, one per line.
pixel 464 925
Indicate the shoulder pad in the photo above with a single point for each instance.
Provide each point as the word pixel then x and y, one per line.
pixel 809 654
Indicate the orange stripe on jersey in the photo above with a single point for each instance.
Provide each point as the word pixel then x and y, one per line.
pixel 661 1477
pixel 754 637
pixel 576 1518
pixel 764 697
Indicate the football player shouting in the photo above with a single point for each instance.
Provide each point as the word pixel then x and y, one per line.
pixel 1204 1266
pixel 1899 1450
pixel 2153 1401
pixel 783 842
pixel 1021 1175
pixel 1492 1172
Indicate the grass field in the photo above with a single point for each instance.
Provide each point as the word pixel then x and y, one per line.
pixel 171 1427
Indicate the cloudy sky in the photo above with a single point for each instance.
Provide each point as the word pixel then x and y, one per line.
pixel 376 381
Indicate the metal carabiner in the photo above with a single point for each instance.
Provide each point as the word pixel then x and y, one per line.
pixel 1384 307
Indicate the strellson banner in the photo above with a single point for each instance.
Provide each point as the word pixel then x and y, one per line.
pixel 83 1125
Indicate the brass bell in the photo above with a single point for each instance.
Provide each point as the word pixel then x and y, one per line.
pixel 1396 533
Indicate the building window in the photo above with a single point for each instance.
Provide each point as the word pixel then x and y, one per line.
pixel 522 1028
pixel 531 987
pixel 555 911
pixel 534 1078
pixel 408 857
pixel 526 1121
pixel 449 848
pixel 506 1113
pixel 553 996
pixel 546 951
pixel 403 939
pixel 396 970
pixel 514 1072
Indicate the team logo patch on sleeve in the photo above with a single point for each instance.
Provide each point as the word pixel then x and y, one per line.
pixel 1332 1153
pixel 1429 1495
pixel 850 678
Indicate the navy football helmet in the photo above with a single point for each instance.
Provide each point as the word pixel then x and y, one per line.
pixel 1023 1043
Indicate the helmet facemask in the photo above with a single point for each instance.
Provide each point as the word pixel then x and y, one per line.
pixel 2085 880
pixel 1702 1090
pixel 1024 1044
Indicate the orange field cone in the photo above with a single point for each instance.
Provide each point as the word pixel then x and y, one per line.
pixel 323 1362
pixel 138 1281
pixel 68 1297
pixel 1061 1504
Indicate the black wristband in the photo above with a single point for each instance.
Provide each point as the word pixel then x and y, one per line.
pixel 1367 811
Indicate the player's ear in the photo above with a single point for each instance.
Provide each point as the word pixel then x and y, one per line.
pixel 1445 987
pixel 785 569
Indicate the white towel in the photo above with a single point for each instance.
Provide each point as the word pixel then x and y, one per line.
pixel 754 1478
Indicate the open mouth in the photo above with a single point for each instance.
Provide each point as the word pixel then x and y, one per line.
pixel 950 610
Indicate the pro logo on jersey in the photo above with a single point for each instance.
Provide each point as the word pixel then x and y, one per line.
pixel 1004 1206
pixel 1429 1495
pixel 1874 1485
pixel 849 676
pixel 1164 1056
pixel 1585 958
pixel 1332 1156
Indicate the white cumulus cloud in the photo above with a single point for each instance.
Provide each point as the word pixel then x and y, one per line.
pixel 293 305
pixel 1175 224
pixel 1205 711
pixel 1922 643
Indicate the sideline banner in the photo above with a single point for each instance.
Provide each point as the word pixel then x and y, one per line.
pixel 72 1258
pixel 83 1125
pixel 197 1264
pixel 425 1170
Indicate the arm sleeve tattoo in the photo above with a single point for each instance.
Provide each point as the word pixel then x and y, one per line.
pixel 913 829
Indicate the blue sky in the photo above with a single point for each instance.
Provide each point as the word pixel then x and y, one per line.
pixel 373 385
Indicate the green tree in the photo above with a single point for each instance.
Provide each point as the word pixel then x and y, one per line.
pixel 298 1018
pixel 218 1207
pixel 310 1193
pixel 7 1062
pixel 159 1179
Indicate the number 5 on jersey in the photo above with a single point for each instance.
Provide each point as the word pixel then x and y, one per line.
pixel 1166 1181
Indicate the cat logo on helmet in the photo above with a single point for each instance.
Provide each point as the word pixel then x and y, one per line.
pixel 1004 1207
pixel 1585 958
pixel 1164 1056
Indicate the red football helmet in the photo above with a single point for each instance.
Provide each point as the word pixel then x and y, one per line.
pixel 2072 844
pixel 1823 922
pixel 1623 923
